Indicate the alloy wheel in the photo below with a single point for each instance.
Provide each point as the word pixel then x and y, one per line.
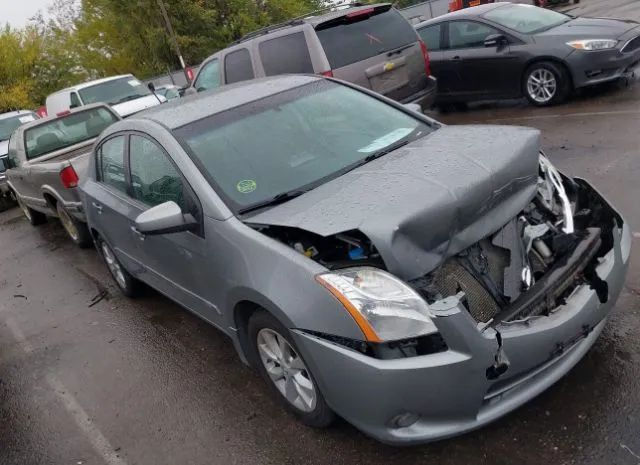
pixel 24 209
pixel 287 370
pixel 113 265
pixel 68 224
pixel 542 85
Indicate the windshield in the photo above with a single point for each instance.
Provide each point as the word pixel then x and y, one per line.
pixel 526 18
pixel 66 131
pixel 115 91
pixel 10 124
pixel 298 139
pixel 347 39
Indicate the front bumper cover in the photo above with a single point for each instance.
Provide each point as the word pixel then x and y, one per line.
pixel 450 390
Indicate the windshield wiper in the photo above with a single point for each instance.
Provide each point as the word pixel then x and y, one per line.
pixel 275 200
pixel 380 153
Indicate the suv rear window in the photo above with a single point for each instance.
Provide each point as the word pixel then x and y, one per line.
pixel 355 37
pixel 286 54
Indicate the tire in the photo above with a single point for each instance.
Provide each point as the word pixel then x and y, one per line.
pixel 127 284
pixel 295 376
pixel 34 217
pixel 546 83
pixel 76 230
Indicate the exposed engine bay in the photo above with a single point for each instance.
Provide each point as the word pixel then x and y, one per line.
pixel 529 267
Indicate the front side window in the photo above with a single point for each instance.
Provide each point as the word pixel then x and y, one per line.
pixel 526 19
pixel 299 139
pixel 431 36
pixel 469 34
pixel 114 91
pixel 154 178
pixel 237 66
pixel 111 163
pixel 286 54
pixel 209 76
pixel 66 131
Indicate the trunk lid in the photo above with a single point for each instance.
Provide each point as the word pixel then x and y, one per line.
pixel 426 201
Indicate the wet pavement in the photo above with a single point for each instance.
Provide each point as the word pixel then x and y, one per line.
pixel 90 377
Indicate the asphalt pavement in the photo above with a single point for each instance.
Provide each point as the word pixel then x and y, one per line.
pixel 90 377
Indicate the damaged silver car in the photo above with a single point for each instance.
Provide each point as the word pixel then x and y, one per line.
pixel 416 279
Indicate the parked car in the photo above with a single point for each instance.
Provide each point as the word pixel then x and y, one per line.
pixel 168 91
pixel 364 258
pixel 9 122
pixel 46 160
pixel 126 95
pixel 505 50
pixel 373 46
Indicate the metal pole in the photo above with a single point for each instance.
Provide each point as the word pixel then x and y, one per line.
pixel 173 39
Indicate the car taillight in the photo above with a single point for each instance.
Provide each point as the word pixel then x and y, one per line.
pixel 69 177
pixel 425 55
pixel 356 14
pixel 327 73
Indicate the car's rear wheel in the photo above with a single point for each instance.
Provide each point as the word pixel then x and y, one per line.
pixel 284 370
pixel 127 284
pixel 546 83
pixel 76 230
pixel 34 217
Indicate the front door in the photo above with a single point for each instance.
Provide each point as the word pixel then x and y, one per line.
pixel 174 263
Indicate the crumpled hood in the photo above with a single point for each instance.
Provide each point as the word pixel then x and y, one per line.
pixel 592 28
pixel 4 147
pixel 427 200
pixel 125 109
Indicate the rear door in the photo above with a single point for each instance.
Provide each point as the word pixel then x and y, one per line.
pixel 376 48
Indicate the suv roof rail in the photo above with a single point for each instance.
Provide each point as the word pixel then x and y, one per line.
pixel 293 22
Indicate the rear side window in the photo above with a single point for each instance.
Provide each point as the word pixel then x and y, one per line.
pixel 349 39
pixel 154 179
pixel 111 163
pixel 237 66
pixel 431 36
pixel 286 54
pixel 209 77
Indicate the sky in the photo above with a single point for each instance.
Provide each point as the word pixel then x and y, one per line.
pixel 18 12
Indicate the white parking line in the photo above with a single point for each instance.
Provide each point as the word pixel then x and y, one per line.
pixel 83 421
pixel 571 115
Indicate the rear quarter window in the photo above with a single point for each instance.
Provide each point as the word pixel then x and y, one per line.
pixel 347 40
pixel 286 54
pixel 237 66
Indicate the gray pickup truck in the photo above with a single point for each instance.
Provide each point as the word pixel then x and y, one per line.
pixel 46 160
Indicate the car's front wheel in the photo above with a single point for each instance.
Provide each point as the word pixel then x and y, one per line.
pixel 127 283
pixel 546 83
pixel 284 370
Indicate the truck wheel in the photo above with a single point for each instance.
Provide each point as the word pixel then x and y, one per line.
pixel 77 230
pixel 34 217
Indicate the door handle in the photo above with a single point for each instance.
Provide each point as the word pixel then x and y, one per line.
pixel 137 233
pixel 97 206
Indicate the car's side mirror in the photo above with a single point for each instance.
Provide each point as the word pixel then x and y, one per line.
pixel 413 107
pixel 165 218
pixel 152 87
pixel 495 40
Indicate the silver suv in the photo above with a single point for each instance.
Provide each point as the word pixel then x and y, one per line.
pixel 372 46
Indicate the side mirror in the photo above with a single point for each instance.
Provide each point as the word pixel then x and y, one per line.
pixel 413 107
pixel 165 218
pixel 495 40
pixel 152 87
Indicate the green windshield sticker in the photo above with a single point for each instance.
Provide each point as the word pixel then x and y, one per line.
pixel 245 186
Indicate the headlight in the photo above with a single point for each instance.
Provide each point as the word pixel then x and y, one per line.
pixel 593 44
pixel 385 308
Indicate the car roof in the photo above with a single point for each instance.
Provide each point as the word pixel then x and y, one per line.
pixel 195 107
pixel 93 83
pixel 11 114
pixel 471 12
